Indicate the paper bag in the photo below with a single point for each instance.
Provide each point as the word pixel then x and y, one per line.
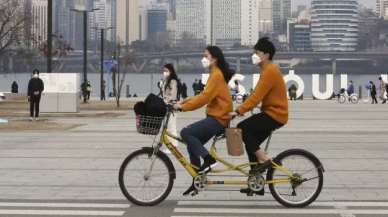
pixel 234 141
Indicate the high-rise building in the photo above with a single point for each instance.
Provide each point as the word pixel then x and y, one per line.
pixel 226 22
pixel 334 25
pixel 101 19
pixel 382 8
pixel 249 22
pixel 298 35
pixel 39 19
pixel 156 19
pixel 127 21
pixel 265 16
pixel 172 6
pixel 190 22
pixel 142 23
pixel 281 11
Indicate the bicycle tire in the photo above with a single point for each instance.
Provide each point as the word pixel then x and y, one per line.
pixel 310 157
pixel 355 99
pixel 341 99
pixel 171 171
pixel 239 98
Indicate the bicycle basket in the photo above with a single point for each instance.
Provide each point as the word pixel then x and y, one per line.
pixel 148 125
pixel 342 90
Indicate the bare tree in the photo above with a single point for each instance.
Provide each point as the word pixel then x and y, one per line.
pixel 124 65
pixel 60 48
pixel 188 41
pixel 13 16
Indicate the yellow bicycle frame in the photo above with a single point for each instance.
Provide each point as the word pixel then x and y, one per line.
pixel 191 168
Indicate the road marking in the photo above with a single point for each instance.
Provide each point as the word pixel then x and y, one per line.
pixel 61 212
pixel 73 205
pixel 276 211
pixel 266 203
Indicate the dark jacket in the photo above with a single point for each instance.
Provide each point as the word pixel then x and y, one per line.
pixel 373 91
pixel 35 84
pixel 14 87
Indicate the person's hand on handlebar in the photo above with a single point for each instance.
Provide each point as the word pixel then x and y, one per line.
pixel 232 115
pixel 177 106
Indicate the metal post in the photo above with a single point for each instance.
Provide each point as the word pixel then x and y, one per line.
pixel 49 35
pixel 85 54
pixel 102 63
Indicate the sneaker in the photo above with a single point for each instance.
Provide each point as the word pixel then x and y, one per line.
pixel 36 119
pixel 261 168
pixel 31 119
pixel 191 190
pixel 250 193
pixel 166 151
pixel 208 164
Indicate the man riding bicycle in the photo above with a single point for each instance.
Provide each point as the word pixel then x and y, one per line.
pixel 271 91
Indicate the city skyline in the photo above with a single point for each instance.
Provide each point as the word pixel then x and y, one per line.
pixel 294 3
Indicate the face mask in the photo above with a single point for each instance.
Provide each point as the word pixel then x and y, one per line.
pixel 166 74
pixel 36 76
pixel 205 63
pixel 255 59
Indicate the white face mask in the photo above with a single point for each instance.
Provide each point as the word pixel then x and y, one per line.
pixel 166 74
pixel 205 63
pixel 255 59
pixel 36 76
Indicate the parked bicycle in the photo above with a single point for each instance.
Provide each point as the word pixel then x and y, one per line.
pixel 147 175
pixel 239 98
pixel 343 97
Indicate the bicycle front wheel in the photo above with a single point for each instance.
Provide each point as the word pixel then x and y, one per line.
pixel 341 99
pixel 146 179
pixel 306 188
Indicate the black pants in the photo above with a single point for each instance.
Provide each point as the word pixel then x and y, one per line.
pixel 255 130
pixel 374 98
pixel 103 95
pixel 88 93
pixel 34 101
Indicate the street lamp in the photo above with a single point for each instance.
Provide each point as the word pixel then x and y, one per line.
pixel 85 47
pixel 102 60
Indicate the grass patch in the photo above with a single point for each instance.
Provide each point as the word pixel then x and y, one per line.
pixel 40 125
pixel 90 105
pixel 13 114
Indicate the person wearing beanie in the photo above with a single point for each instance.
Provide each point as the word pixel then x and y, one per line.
pixel 35 89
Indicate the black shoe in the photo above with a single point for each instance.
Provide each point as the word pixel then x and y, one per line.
pixel 191 191
pixel 384 101
pixel 208 164
pixel 260 168
pixel 250 193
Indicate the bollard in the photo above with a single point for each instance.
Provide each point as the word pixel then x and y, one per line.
pixel 360 92
pixel 127 91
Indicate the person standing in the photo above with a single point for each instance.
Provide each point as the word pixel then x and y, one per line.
pixel 292 92
pixel 170 92
pixel 35 89
pixel 195 87
pixel 15 87
pixel 373 92
pixel 88 89
pixel 382 90
pixel 184 91
pixel 103 90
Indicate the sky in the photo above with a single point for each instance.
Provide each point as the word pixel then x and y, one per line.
pixel 295 3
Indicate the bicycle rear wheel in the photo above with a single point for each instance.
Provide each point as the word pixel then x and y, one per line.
pixel 303 191
pixel 354 99
pixel 146 179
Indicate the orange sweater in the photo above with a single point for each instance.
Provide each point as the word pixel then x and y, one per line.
pixel 271 91
pixel 217 97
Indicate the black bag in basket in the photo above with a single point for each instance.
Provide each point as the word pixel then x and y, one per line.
pixel 150 114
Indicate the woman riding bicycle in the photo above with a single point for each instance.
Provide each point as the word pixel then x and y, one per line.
pixel 219 103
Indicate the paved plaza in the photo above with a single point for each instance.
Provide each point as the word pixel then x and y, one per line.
pixel 75 172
